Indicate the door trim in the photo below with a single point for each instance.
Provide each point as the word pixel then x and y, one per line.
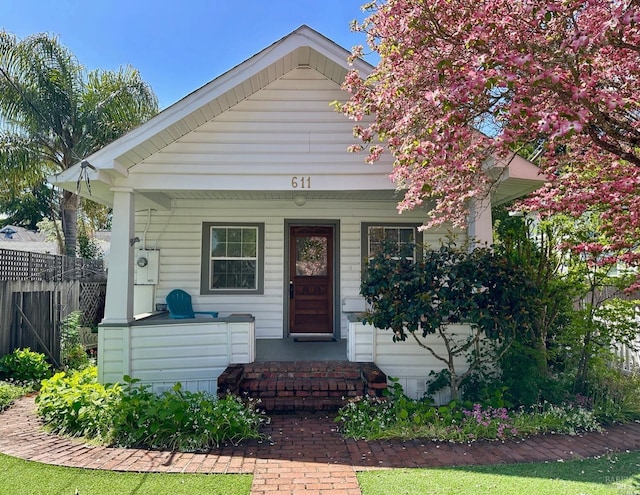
pixel 335 224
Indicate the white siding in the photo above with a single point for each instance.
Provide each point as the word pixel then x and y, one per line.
pixel 113 355
pixel 193 354
pixel 287 126
pixel 407 361
pixel 178 236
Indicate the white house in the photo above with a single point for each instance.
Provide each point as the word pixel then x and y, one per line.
pixel 243 194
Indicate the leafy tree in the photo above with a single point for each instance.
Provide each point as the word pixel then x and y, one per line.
pixel 445 287
pixel 534 246
pixel 581 312
pixel 27 208
pixel 55 114
pixel 460 81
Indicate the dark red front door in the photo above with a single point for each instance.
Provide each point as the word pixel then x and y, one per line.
pixel 311 279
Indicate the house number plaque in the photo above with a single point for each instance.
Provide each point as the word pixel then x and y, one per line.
pixel 300 182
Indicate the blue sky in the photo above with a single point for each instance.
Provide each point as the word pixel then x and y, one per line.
pixel 176 45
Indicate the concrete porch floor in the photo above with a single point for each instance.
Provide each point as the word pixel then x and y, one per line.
pixel 289 350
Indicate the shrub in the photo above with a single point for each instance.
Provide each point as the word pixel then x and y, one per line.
pixel 401 417
pixel 74 355
pixel 133 416
pixel 76 358
pixel 566 418
pixel 182 420
pixel 9 392
pixel 75 404
pixel 25 365
pixel 616 397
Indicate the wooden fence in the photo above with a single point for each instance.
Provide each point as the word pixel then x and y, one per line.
pixel 21 265
pixel 37 291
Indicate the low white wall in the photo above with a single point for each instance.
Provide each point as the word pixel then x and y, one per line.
pixel 407 361
pixel 162 352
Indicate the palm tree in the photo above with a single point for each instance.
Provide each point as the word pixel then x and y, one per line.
pixel 53 114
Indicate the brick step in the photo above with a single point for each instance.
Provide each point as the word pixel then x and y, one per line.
pixel 302 386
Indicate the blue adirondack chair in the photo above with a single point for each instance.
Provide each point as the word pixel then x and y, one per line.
pixel 179 306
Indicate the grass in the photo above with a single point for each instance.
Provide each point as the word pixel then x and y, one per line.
pixel 18 477
pixel 614 474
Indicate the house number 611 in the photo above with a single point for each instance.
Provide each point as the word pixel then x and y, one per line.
pixel 300 182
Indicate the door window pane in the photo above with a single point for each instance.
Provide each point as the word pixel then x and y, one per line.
pixel 311 256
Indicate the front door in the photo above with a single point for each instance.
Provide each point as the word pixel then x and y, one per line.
pixel 311 279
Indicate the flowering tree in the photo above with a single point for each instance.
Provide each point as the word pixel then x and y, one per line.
pixel 460 80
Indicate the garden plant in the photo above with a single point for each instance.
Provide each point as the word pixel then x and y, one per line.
pixel 132 415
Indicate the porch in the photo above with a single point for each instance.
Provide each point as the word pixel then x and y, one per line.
pixel 290 349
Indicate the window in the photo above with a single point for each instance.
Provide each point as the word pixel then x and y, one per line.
pixel 375 236
pixel 232 258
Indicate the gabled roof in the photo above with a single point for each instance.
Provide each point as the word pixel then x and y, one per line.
pixel 303 48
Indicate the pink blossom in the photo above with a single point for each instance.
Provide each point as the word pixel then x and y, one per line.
pixel 563 73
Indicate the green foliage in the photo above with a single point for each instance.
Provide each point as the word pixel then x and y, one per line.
pixel 25 365
pixel 9 392
pixel 400 417
pixel 74 355
pixel 182 420
pixel 595 329
pixel 520 376
pixel 27 207
pixel 60 114
pixel 75 404
pixel 566 418
pixel 132 415
pixel 616 397
pixel 88 247
pixel 69 330
pixel 448 286
pixel 76 358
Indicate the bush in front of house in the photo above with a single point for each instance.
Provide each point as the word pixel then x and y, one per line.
pixel 73 403
pixel 25 365
pixel 398 416
pixel 181 420
pixel 132 415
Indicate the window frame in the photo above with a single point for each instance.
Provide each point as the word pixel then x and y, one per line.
pixel 364 237
pixel 206 259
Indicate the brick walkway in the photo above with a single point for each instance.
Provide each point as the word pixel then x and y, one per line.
pixel 305 454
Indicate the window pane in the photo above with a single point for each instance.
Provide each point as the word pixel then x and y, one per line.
pixel 389 237
pixel 406 236
pixel 249 250
pixel 311 256
pixel 234 249
pixel 233 260
pixel 249 235
pixel 218 242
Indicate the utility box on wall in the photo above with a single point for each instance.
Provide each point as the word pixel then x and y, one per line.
pixel 147 267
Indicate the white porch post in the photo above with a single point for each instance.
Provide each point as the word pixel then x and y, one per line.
pixel 119 301
pixel 480 223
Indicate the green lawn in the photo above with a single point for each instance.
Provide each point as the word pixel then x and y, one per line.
pixel 18 477
pixel 617 474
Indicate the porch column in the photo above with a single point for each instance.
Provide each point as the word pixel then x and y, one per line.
pixel 119 300
pixel 480 223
